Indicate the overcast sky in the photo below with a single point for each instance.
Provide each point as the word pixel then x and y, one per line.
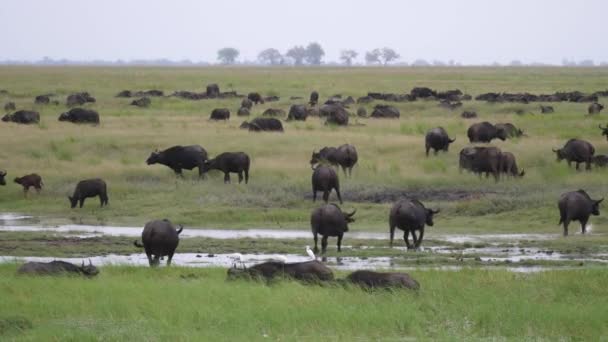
pixel 467 31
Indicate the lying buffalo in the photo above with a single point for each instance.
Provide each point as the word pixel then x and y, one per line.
pixel 142 102
pixel 314 98
pixel 508 165
pixel 180 157
pixel 22 117
pixel 335 114
pixel 57 268
pixel 345 156
pixel 298 113
pixel 362 112
pixel 604 131
pixel 510 130
pixel 595 108
pixel 274 112
pixel 577 206
pixel 410 216
pixel 220 114
pixel 243 111
pixel 236 162
pixel 546 109
pixel 246 103
pixel 255 98
pixel 485 132
pixel 32 180
pixel 263 125
pixel 438 140
pixel 468 114
pixel 578 151
pixel 213 90
pixel 78 99
pixel 600 160
pixel 325 179
pixel 80 115
pixel 481 160
pixel 2 175
pixel 385 280
pixel 89 188
pixel 329 220
pixel 42 99
pixel 385 112
pixel 160 238
pixel 308 271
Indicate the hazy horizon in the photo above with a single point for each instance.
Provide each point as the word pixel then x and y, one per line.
pixel 468 32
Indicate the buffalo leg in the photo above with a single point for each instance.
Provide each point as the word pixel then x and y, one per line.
pixel 340 242
pixel 316 250
pixel 566 223
pixel 326 196
pixel 246 176
pixel 344 170
pixel 201 173
pixel 339 196
pixel 588 165
pixel 577 166
pixel 149 255
pixel 38 189
pixel 406 239
pixel 25 191
pixel 314 195
pixel 226 177
pixel 240 173
pixel 350 171
pixel 392 233
pixel 178 172
pixel 324 244
pixel 169 258
pixel 81 202
pixel 415 238
pixel 427 150
pixel 419 242
pixel 583 226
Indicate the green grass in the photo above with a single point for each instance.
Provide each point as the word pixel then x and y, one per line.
pixel 184 304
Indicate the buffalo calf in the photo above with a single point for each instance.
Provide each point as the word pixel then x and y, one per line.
pixel 371 280
pixel 31 180
pixel 89 188
pixel 236 162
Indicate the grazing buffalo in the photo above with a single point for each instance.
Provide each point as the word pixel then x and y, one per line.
pixel 213 90
pixel 272 98
pixel 578 151
pixel 546 109
pixel 384 280
pixel 142 102
pixel 298 113
pixel 314 98
pixel 595 108
pixel 335 114
pixel 325 179
pixel 9 106
pixel 243 111
pixel 422 92
pixel 438 140
pixel 509 165
pixel 78 99
pixel 468 114
pixel 485 132
pixel 481 160
pixel 125 93
pixel 160 238
pixel 22 117
pixel 89 188
pixel 604 131
pixel 220 114
pixel 2 175
pixel 246 103
pixel 577 206
pixel 32 180
pixel 42 99
pixel 308 271
pixel 180 157
pixel 385 112
pixel 80 115
pixel 329 220
pixel 345 156
pixel 509 129
pixel 274 112
pixel 236 162
pixel 57 268
pixel 263 125
pixel 255 98
pixel 410 216
pixel 600 160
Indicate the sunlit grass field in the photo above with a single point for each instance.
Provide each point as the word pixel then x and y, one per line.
pixel 391 152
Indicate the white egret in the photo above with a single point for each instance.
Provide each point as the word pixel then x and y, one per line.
pixel 238 258
pixel 310 253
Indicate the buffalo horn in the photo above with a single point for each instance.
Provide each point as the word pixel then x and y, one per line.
pixel 351 214
pixel 435 211
pixel 600 201
pixel 554 150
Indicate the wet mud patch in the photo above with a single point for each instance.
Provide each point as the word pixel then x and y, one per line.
pixel 389 195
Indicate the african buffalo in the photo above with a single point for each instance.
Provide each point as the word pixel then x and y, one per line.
pixel 263 125
pixel 335 114
pixel 160 238
pixel 213 90
pixel 31 180
pixel 78 99
pixel 124 93
pixel 237 162
pixel 576 150
pixel 365 99
pixel 604 131
pixel 385 112
pixel 89 188
pixel 509 129
pixel 243 111
pixel 80 115
pixel 362 112
pixel 141 102
pixel 9 106
pixel 2 175
pixel 42 99
pixel 220 114
pixel 324 178
pixel 272 98
pixel 255 98
pixel 468 114
pixel 246 103
pixel 180 157
pixel 22 117
pixel 314 98
pixel 345 156
pixel 57 268
pixel 297 112
pixel 480 160
pixel 308 271
pixel 410 216
pixel 485 132
pixel 274 112
pixel 509 165
pixel 600 160
pixel 546 109
pixel 422 92
pixel 385 280
pixel 595 108
pixel 438 140
pixel 329 220
pixel 577 206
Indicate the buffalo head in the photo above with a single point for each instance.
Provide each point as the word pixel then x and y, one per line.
pixel 429 216
pixel 501 134
pixel 153 158
pixel 559 154
pixel 64 116
pixel 315 158
pixel 349 217
pixel 18 180
pixel 604 131
pixel 6 118
pixel 595 207
pixel 244 125
pixel 73 201
pixel 89 270
pixel 2 174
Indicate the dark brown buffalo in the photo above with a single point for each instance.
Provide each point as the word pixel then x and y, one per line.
pixel 57 267
pixel 274 112
pixel 578 151
pixel 335 115
pixel 595 108
pixel 89 188
pixel 243 111
pixel 410 216
pixel 509 129
pixel 2 175
pixel 22 117
pixel 213 90
pixel 151 92
pixel 468 114
pixel 141 102
pixel 180 157
pixel 329 220
pixel 255 98
pixel 308 271
pixel 246 103
pixel 481 160
pixel 509 165
pixel 220 114
pixel 272 98
pixel 298 113
pixel 236 162
pixel 324 178
pixel 600 160
pixel 9 106
pixel 263 125
pixel 546 109
pixel 438 140
pixel 42 99
pixel 384 280
pixel 385 112
pixel 344 155
pixel 485 132
pixel 78 99
pixel 314 98
pixel 422 92
pixel 80 115
pixel 160 238
pixel 365 99
pixel 32 180
pixel 604 131
pixel 125 93
pixel 577 206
